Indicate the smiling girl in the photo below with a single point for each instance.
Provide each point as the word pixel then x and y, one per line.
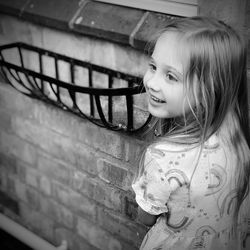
pixel 192 183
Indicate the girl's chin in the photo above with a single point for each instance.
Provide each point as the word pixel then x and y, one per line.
pixel 158 113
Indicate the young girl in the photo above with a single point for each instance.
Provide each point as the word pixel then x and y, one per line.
pixel 192 184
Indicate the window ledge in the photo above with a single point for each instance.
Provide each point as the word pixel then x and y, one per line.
pixel 120 24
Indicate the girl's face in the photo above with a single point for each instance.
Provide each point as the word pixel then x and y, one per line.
pixel 164 79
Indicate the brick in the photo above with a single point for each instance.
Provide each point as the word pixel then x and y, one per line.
pixel 33 197
pixel 82 183
pixel 86 158
pixel 74 241
pixel 54 169
pixel 59 213
pixel 61 147
pixel 114 174
pixel 14 146
pixel 95 21
pixel 42 12
pixel 96 235
pixel 15 102
pixel 56 119
pixel 9 203
pixel 75 201
pixel 20 190
pixel 21 171
pixel 126 246
pixel 125 228
pixel 102 139
pixel 5 121
pixel 47 115
pixel 100 80
pixel 26 193
pixel 32 177
pixel 45 185
pixel 129 206
pixel 133 151
pixel 109 196
pixel 104 194
pixel 39 223
pixel 13 7
pixel 3 180
pixel 8 163
pixel 11 188
pixel 119 109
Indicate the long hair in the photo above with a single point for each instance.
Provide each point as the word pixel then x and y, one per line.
pixel 216 76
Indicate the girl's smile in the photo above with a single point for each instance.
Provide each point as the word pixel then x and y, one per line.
pixel 154 100
pixel 164 79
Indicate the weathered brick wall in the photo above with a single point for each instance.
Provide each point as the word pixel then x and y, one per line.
pixel 65 178
pixel 61 176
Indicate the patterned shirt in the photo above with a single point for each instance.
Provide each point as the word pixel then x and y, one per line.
pixel 193 188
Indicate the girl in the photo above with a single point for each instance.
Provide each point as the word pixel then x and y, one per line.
pixel 193 181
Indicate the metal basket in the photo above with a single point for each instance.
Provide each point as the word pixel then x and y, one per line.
pixel 70 95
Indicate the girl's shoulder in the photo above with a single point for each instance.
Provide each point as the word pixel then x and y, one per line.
pixel 171 145
pixel 168 148
pixel 167 151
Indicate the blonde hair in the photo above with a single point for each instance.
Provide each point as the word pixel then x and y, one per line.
pixel 217 62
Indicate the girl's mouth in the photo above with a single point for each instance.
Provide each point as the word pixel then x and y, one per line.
pixel 155 99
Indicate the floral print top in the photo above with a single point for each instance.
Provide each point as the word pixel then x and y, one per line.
pixel 193 189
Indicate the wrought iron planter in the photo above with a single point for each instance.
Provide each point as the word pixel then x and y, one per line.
pixel 79 96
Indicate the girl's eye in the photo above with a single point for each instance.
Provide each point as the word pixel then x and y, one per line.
pixel 152 67
pixel 171 77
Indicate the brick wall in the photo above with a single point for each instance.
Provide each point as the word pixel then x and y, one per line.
pixel 61 176
pixel 65 178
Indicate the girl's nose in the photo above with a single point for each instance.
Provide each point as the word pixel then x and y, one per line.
pixel 153 83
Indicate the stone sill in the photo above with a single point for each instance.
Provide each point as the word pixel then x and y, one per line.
pixel 119 24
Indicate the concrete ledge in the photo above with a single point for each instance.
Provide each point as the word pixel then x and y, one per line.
pixel 54 13
pixel 115 23
pixel 119 24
